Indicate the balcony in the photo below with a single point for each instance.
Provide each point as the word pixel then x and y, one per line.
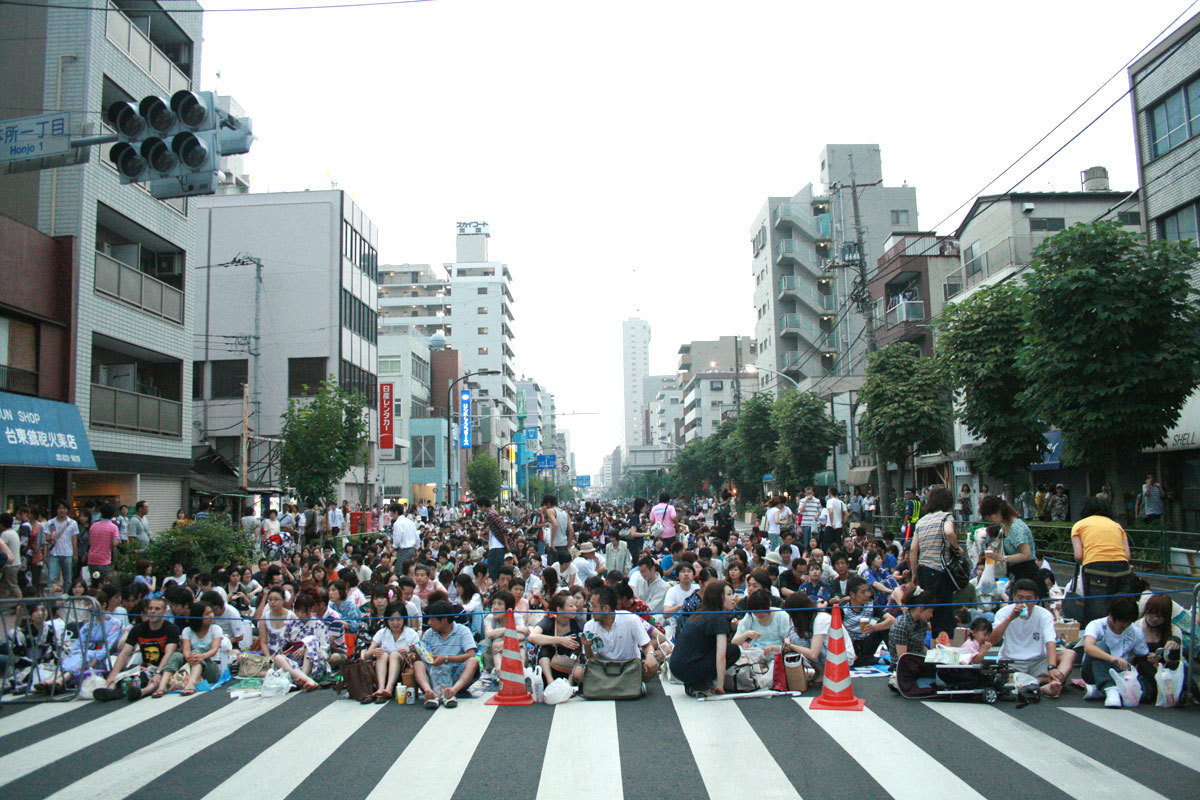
pixel 129 39
pixel 123 410
pixel 906 311
pixel 799 217
pixel 1015 251
pixel 18 381
pixel 829 342
pixel 130 285
pixel 798 325
pixel 793 361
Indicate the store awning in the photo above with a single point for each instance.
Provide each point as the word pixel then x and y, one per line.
pixel 857 476
pixel 42 433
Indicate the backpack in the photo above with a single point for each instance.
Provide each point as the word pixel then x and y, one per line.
pixel 723 519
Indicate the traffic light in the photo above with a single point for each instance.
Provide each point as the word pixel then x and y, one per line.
pixel 176 146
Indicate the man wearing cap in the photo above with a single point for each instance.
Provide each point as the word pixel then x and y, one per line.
pixel 588 562
pixel 451 665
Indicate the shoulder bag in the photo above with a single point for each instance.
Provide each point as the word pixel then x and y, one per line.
pixel 955 563
pixel 613 680
pixel 358 678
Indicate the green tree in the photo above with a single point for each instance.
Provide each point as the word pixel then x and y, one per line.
pixel 323 438
pixel 806 433
pixel 907 406
pixel 977 348
pixel 483 476
pixel 748 451
pixel 1111 349
pixel 201 546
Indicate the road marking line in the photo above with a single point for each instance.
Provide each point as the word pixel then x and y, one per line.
pixel 597 722
pixel 723 744
pixel 283 766
pixel 1074 773
pixel 29 759
pixel 923 776
pixel 1182 748
pixel 34 715
pixel 125 776
pixel 434 762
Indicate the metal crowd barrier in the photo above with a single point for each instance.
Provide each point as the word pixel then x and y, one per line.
pixel 19 680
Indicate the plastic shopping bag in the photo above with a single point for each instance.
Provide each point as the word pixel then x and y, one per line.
pixel 559 691
pixel 1171 684
pixel 987 579
pixel 277 682
pixel 1128 686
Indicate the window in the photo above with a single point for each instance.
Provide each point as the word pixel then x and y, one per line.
pixel 228 377
pixel 716 386
pixel 482 290
pixel 420 370
pixel 1180 225
pixel 391 366
pixel 1047 224
pixel 358 317
pixel 197 380
pixel 356 380
pixel 972 262
pixel 482 309
pixel 305 376
pixel 483 351
pixel 483 331
pixel 1169 122
pixel 1129 217
pixel 900 216
pixel 424 454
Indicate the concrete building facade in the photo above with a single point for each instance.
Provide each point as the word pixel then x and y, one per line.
pixel 635 366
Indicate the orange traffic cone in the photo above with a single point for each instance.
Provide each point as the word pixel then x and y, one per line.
pixel 837 693
pixel 512 673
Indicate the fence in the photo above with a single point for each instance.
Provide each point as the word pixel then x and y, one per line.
pixel 35 657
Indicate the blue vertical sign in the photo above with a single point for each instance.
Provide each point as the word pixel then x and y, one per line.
pixel 464 427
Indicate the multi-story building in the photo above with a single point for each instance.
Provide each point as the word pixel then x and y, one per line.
pixel 414 296
pixel 135 259
pixel 312 316
pixel 709 398
pixel 727 354
pixel 906 286
pixel 404 364
pixel 804 248
pixel 1166 112
pixel 665 412
pixel 635 360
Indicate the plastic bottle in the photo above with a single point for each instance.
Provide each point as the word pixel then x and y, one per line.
pixel 538 686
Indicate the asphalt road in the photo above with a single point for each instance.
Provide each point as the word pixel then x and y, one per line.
pixel 665 745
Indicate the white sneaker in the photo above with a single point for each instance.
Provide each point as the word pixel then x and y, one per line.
pixel 1092 692
pixel 1112 698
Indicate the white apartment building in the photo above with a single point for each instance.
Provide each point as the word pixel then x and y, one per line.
pixel 316 314
pixel 709 398
pixel 405 364
pixel 801 246
pixel 635 360
pixel 136 259
pixel 665 413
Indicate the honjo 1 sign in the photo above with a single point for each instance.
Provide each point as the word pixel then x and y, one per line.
pixel 42 433
pixel 35 137
pixel 464 412
pixel 386 417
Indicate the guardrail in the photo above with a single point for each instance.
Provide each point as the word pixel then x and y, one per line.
pixel 130 285
pixel 28 663
pixel 124 410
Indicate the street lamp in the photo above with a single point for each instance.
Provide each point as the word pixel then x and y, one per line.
pixel 450 423
pixel 752 368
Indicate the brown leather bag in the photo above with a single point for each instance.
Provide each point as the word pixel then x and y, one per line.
pixel 358 678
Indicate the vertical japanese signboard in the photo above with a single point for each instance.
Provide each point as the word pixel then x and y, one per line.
pixel 387 420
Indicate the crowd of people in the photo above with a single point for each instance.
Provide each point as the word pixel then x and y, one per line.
pixel 424 600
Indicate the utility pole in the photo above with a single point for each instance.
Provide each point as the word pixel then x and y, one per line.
pixel 245 445
pixel 737 374
pixel 256 350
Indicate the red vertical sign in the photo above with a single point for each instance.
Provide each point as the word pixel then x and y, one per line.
pixel 386 439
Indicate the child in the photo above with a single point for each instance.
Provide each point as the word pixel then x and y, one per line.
pixel 391 647
pixel 145 569
pixel 494 630
pixel 977 645
pixel 200 641
pixel 1110 643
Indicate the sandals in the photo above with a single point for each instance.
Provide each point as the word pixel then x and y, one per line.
pixel 310 685
pixel 381 697
pixel 157 693
pixel 187 690
pixel 431 702
pixel 448 699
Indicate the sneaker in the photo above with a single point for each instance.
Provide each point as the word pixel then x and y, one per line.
pixel 1112 698
pixel 105 694
pixel 1092 692
pixel 134 692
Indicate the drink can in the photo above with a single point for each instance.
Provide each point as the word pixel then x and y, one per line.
pixel 411 695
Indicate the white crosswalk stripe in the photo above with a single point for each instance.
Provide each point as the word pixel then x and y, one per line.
pixel 284 765
pixel 1075 773
pixel 34 714
pixel 441 757
pixel 1182 748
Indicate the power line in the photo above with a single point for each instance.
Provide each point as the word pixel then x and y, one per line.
pixel 321 7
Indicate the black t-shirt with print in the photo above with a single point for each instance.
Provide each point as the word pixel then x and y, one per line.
pixel 152 642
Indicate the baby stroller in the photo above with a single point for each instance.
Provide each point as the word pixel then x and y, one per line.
pixel 919 679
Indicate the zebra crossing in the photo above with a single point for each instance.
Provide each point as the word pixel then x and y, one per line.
pixel 316 746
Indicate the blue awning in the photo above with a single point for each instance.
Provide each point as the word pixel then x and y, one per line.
pixel 1053 457
pixel 42 433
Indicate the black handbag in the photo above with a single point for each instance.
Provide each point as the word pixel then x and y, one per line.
pixel 956 565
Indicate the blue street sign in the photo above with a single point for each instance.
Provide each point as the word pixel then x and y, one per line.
pixel 35 137
pixel 547 462
pixel 531 434
pixel 464 437
pixel 583 481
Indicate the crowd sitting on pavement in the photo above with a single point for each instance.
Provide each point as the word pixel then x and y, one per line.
pixel 431 598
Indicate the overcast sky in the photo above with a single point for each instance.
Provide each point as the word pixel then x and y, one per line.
pixel 621 150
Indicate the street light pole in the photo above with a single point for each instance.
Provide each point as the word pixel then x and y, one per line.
pixel 450 424
pixel 753 368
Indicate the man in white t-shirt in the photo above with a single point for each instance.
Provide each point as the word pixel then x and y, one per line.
pixel 1030 640
pixel 404 536
pixel 832 534
pixel 616 636
pixel 1111 643
pixel 649 586
pixel 588 562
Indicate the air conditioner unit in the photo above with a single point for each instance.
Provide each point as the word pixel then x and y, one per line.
pixel 168 265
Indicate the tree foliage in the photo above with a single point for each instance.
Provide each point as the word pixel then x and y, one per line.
pixel 908 409
pixel 805 432
pixel 749 450
pixel 201 546
pixel 1110 348
pixel 323 438
pixel 483 476
pixel 977 350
